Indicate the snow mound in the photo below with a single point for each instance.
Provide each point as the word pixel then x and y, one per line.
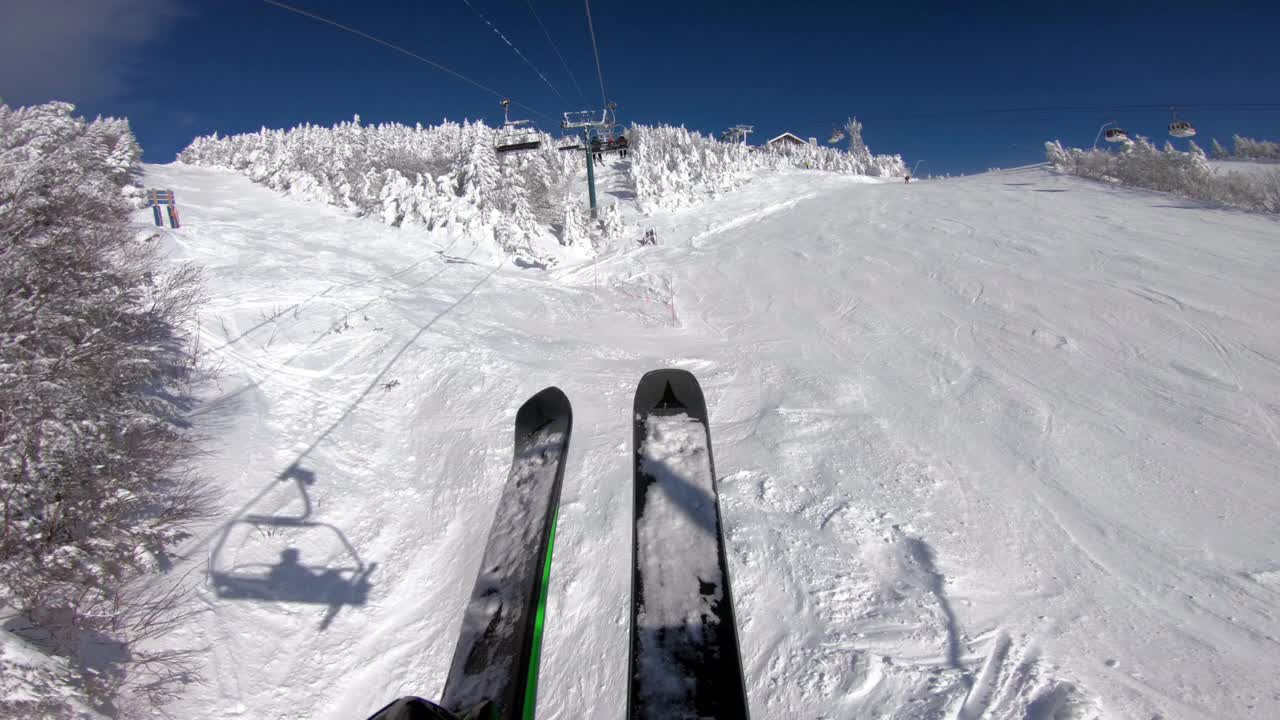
pixel 34 684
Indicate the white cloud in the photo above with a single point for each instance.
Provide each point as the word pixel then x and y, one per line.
pixel 75 50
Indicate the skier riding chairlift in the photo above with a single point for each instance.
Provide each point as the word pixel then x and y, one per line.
pixel 1116 135
pixel 1181 129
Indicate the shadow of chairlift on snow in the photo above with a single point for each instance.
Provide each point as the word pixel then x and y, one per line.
pixel 289 579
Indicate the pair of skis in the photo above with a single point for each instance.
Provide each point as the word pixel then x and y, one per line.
pixel 684 656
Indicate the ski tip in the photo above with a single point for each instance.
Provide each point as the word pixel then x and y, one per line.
pixel 668 389
pixel 548 405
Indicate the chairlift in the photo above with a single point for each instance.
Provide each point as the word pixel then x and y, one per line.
pixel 609 139
pixel 1181 128
pixel 737 134
pixel 836 136
pixel 1116 135
pixel 599 127
pixel 516 136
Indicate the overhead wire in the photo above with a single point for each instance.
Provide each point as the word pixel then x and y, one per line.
pixel 604 97
pixel 399 49
pixel 552 43
pixel 1092 108
pixel 511 45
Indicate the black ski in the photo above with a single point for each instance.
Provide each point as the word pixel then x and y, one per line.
pixel 685 661
pixel 497 656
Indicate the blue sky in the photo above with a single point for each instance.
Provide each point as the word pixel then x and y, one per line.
pixel 921 76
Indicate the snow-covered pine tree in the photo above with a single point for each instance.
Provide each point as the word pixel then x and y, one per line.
pixel 574 232
pixel 857 148
pixel 478 173
pixel 611 227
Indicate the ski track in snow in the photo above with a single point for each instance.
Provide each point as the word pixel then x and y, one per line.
pixel 993 447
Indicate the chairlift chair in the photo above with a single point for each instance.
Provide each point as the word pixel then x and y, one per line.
pixel 569 143
pixel 516 136
pixel 1181 128
pixel 1116 135
pixel 836 136
pixel 609 139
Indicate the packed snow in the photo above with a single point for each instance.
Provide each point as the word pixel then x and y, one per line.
pixel 1003 446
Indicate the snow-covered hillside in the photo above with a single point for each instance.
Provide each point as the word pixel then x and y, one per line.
pixel 1003 446
pixel 526 205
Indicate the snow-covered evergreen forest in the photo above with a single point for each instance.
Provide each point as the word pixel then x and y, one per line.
pixel 531 204
pixel 1244 148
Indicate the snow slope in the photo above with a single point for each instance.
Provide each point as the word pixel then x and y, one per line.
pixel 1003 446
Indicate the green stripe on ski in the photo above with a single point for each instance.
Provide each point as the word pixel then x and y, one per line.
pixel 535 651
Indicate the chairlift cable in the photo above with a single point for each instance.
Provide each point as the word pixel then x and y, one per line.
pixel 552 43
pixel 398 49
pixel 604 97
pixel 1092 108
pixel 515 49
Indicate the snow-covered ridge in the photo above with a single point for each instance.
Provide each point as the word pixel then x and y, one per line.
pixel 413 177
pixel 673 166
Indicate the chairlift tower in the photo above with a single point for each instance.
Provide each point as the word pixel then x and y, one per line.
pixel 593 124
pixel 737 134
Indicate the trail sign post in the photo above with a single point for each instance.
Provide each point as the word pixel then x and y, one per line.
pixel 156 198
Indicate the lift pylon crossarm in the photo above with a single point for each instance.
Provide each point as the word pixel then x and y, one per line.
pixel 737 134
pixel 580 119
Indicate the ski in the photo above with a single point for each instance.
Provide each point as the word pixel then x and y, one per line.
pixel 497 656
pixel 685 661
